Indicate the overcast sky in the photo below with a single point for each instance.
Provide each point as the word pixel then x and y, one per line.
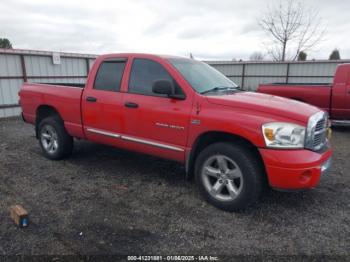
pixel 210 29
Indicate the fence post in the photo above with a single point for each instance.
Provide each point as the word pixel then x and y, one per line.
pixel 87 62
pixel 287 75
pixel 24 70
pixel 243 75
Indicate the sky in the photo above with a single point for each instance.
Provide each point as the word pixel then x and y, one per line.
pixel 209 29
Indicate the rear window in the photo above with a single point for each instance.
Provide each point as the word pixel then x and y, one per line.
pixel 109 75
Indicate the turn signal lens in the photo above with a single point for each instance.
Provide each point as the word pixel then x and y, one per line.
pixel 269 134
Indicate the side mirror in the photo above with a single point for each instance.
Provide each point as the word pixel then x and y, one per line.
pixel 166 87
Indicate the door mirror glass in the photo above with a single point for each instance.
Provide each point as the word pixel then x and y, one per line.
pixel 166 87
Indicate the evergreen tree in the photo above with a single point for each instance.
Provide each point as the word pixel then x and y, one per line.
pixel 335 55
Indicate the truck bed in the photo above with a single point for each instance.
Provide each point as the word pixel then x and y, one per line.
pixel 313 93
pixel 64 97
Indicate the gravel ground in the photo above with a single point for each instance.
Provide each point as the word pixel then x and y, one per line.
pixel 108 201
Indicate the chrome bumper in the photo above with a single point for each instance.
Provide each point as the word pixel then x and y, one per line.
pixel 326 166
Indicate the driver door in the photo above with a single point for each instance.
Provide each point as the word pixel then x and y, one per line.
pixel 154 123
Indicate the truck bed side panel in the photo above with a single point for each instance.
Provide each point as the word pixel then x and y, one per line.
pixel 65 100
pixel 341 95
pixel 317 95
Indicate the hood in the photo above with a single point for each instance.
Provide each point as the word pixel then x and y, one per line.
pixel 272 105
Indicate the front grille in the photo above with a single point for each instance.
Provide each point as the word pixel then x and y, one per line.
pixel 320 125
pixel 320 134
pixel 317 131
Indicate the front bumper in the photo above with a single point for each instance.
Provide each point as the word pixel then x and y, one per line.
pixel 295 169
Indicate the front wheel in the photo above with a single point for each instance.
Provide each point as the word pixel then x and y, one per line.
pixel 54 140
pixel 229 176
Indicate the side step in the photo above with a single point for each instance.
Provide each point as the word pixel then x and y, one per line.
pixel 340 122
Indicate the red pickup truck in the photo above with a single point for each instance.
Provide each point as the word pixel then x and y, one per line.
pixel 335 98
pixel 233 142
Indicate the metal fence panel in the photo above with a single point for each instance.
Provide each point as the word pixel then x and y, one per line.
pixel 266 70
pixel 254 73
pixel 233 70
pixel 9 91
pixel 43 66
pixel 312 69
pixel 17 66
pixel 10 65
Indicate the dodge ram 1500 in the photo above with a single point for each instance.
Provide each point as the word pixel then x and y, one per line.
pixel 233 142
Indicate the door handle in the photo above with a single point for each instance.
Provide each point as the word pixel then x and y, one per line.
pixel 131 105
pixel 91 99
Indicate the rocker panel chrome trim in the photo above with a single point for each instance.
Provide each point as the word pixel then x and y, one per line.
pixel 134 139
pixel 147 142
pixel 101 132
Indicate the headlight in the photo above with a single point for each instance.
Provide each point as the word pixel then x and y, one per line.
pixel 283 135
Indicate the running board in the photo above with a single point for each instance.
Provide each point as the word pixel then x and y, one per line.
pixel 340 122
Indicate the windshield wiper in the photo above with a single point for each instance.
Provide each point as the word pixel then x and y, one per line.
pixel 219 88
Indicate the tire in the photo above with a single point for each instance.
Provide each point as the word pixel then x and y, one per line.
pixel 54 140
pixel 229 176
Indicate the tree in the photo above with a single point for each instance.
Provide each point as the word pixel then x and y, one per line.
pixel 335 55
pixel 292 28
pixel 302 56
pixel 256 56
pixel 5 43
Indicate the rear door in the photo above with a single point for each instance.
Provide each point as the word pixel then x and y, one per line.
pixel 102 103
pixel 154 123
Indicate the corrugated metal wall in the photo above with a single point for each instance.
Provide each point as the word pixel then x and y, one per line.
pixel 250 74
pixel 17 66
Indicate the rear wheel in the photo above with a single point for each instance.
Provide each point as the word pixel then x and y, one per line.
pixel 229 176
pixel 54 140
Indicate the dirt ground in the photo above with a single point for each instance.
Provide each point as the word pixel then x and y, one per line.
pixel 108 201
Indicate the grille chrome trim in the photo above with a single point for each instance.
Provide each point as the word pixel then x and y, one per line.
pixel 316 134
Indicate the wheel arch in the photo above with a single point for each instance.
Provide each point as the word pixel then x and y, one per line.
pixel 42 112
pixel 210 137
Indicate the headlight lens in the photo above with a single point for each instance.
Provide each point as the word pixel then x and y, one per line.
pixel 283 135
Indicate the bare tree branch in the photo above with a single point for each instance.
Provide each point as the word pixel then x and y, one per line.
pixel 293 28
pixel 257 56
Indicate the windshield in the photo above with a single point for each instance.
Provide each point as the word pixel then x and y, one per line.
pixel 201 76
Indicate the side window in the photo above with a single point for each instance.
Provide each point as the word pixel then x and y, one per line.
pixel 109 75
pixel 144 73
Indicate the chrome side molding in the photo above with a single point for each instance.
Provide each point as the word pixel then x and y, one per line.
pixel 147 142
pixel 134 139
pixel 105 133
